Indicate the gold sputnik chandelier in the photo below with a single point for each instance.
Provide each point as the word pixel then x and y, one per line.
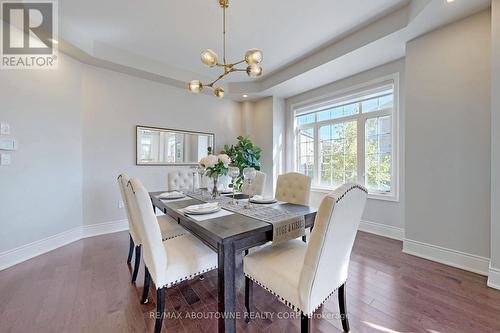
pixel 253 57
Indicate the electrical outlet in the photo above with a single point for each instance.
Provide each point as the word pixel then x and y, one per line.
pixel 120 204
pixel 4 129
pixel 4 159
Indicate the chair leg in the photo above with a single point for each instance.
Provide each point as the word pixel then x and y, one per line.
pixel 160 309
pixel 136 263
pixel 304 323
pixel 130 250
pixel 246 252
pixel 147 282
pixel 343 307
pixel 304 239
pixel 248 297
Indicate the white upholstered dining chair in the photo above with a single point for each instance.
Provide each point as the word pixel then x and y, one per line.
pixel 304 276
pixel 180 180
pixel 256 187
pixel 294 188
pixel 167 262
pixel 168 226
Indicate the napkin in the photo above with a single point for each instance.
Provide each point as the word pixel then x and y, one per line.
pixel 202 207
pixel 173 194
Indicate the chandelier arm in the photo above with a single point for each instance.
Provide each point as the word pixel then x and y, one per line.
pixel 239 62
pixel 220 77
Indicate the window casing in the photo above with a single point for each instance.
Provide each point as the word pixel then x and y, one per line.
pixel 351 138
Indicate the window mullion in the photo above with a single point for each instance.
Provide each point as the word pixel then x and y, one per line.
pixel 317 175
pixel 361 147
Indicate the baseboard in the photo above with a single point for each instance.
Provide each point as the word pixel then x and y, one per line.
pixel 104 228
pixel 494 278
pixel 382 230
pixel 454 258
pixel 25 252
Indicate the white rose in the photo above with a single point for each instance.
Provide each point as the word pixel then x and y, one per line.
pixel 210 161
pixel 203 161
pixel 225 159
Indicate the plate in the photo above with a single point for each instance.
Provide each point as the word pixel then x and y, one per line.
pixel 172 196
pixel 202 212
pixel 263 201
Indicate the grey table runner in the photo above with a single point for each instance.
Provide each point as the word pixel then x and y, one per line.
pixel 286 225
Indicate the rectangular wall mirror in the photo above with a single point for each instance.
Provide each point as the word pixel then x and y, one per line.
pixel 163 146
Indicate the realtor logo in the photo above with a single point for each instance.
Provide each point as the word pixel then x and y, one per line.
pixel 28 34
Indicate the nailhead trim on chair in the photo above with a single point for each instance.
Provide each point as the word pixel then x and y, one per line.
pixel 283 300
pixel 362 188
pixel 168 285
pixel 174 236
pixel 288 303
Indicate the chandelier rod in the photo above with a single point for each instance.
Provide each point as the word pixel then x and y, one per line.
pixel 224 33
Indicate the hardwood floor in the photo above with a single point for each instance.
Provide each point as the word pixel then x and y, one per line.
pixel 85 287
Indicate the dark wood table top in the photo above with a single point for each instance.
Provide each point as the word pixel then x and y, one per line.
pixel 229 227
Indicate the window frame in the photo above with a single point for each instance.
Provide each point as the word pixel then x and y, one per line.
pixel 342 98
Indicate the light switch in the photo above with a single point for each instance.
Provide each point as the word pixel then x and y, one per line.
pixel 4 159
pixel 4 129
pixel 8 144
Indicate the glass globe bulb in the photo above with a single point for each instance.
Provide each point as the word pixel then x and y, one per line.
pixel 253 56
pixel 254 71
pixel 209 57
pixel 219 92
pixel 195 86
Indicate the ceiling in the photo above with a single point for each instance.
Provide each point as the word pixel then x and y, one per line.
pixel 306 43
pixel 175 32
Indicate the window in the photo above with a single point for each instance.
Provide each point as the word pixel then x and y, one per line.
pixel 350 139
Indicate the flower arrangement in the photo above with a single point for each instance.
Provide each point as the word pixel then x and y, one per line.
pixel 215 166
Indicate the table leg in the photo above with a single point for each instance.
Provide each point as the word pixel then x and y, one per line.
pixel 227 288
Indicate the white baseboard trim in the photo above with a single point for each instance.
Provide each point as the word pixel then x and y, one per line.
pixel 104 228
pixel 382 230
pixel 25 252
pixel 454 258
pixel 494 278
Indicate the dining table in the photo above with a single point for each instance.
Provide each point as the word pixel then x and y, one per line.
pixel 228 236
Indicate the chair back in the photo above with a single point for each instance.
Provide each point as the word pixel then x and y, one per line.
pixel 257 185
pixel 148 228
pixel 123 179
pixel 329 249
pixel 180 180
pixel 293 188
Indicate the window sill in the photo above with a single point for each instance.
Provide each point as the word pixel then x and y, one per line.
pixel 372 196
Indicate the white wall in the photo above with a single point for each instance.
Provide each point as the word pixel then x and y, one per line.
pixel 258 126
pixel 76 132
pixel 41 191
pixel 495 144
pixel 113 104
pixel 378 211
pixel 264 122
pixel 448 137
pixel 279 139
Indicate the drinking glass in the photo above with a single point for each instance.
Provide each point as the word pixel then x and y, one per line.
pixel 196 171
pixel 233 172
pixel 249 175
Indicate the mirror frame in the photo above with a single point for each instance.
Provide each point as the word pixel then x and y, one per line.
pixel 138 127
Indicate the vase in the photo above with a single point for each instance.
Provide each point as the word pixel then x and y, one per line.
pixel 215 189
